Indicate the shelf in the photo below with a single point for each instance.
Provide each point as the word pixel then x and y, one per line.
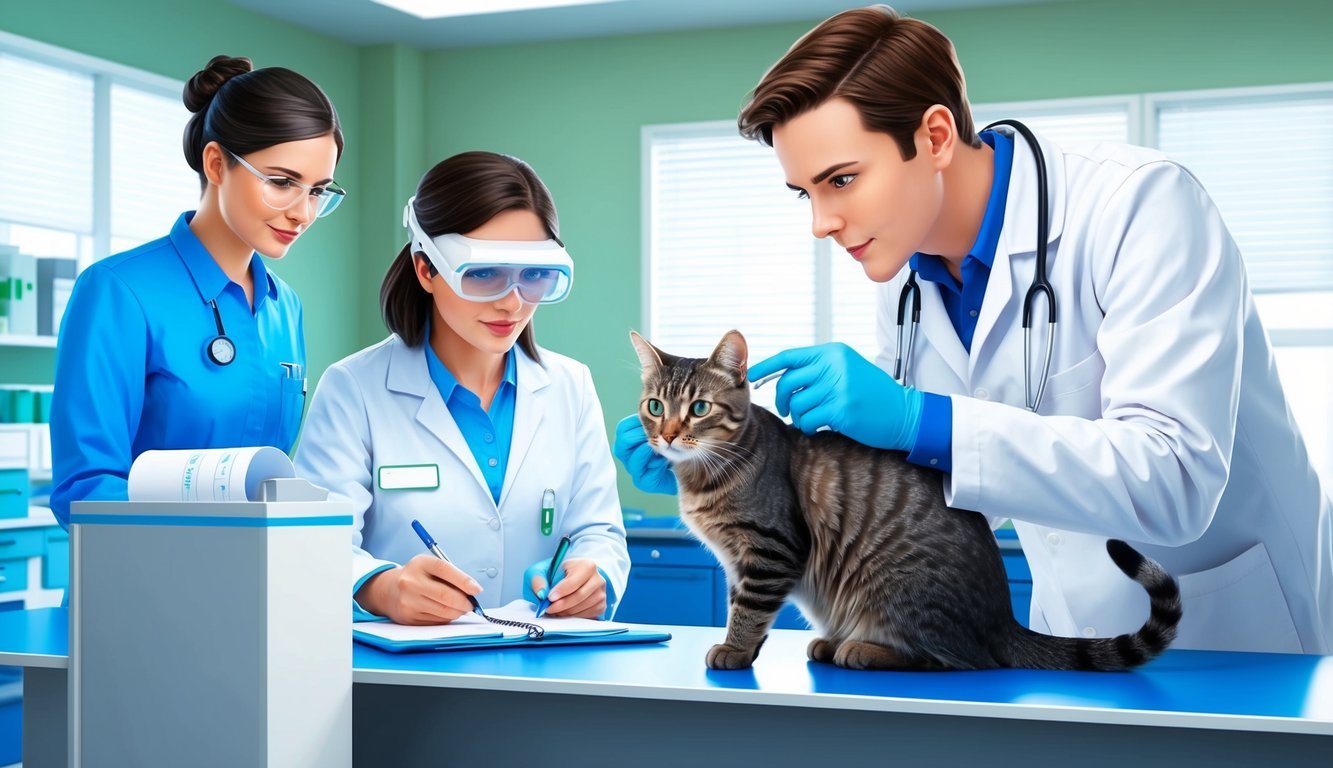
pixel 15 340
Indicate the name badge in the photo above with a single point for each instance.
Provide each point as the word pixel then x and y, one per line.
pixel 408 477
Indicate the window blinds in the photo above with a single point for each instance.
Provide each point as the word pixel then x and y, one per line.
pixel 46 145
pixel 1268 166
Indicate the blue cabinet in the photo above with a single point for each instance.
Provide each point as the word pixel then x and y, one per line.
pixel 674 579
pixel 1020 576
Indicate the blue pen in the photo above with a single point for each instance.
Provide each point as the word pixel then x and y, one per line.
pixel 434 548
pixel 556 560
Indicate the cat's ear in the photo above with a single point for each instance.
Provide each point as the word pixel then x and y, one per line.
pixel 650 357
pixel 732 355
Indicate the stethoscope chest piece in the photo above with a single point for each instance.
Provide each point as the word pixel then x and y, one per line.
pixel 220 349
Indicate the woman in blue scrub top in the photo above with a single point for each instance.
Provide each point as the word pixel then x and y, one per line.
pixel 190 341
pixel 459 420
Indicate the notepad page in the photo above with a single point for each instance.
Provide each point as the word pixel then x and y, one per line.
pixel 465 626
pixel 522 610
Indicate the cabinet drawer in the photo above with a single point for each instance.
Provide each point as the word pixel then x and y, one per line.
pixel 670 552
pixel 1020 597
pixel 13 575
pixel 30 542
pixel 13 493
pixel 668 595
pixel 55 567
pixel 1016 566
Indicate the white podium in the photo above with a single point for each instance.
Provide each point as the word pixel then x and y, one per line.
pixel 211 634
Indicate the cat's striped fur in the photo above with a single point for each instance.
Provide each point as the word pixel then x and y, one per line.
pixel 862 540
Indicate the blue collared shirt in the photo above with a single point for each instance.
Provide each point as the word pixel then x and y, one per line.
pixel 962 301
pixel 132 373
pixel 488 432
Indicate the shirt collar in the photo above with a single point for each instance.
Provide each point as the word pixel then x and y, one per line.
pixel 931 267
pixel 445 381
pixel 209 279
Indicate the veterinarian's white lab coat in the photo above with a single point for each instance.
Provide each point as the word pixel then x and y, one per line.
pixel 1163 422
pixel 379 408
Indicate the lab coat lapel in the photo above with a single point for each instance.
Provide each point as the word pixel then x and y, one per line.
pixel 409 375
pixel 939 331
pixel 529 405
pixel 1016 251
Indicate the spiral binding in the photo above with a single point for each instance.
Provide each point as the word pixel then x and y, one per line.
pixel 534 632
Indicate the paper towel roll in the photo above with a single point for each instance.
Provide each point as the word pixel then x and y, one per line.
pixel 206 474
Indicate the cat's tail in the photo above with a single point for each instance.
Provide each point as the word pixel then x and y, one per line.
pixel 1111 654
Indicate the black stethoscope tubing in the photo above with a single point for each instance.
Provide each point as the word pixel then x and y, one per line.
pixel 1041 286
pixel 220 341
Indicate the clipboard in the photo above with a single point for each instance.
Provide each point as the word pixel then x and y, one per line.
pixel 471 632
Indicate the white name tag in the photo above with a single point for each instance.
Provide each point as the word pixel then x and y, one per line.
pixel 406 477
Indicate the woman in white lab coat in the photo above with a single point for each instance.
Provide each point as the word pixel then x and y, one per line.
pixel 459 420
pixel 1163 421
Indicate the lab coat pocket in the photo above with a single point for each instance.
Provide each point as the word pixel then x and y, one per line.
pixel 1077 389
pixel 293 407
pixel 1237 606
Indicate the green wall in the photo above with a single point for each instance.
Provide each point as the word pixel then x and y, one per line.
pixel 176 39
pixel 574 110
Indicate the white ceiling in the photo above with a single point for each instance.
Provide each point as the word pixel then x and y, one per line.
pixel 365 23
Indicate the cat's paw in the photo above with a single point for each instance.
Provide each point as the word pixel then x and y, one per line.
pixel 822 650
pixel 856 654
pixel 722 656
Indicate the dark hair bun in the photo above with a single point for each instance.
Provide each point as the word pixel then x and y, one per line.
pixel 204 85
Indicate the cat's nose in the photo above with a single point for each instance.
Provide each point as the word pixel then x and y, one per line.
pixel 668 437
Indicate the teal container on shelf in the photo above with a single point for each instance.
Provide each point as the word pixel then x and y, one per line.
pixel 43 406
pixel 22 406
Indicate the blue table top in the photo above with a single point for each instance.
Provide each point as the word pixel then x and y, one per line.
pixel 1196 689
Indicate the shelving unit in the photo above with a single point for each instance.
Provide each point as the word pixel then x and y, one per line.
pixel 17 340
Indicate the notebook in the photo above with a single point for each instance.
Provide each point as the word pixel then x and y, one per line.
pixel 472 631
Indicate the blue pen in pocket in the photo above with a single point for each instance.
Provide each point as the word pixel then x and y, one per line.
pixel 551 571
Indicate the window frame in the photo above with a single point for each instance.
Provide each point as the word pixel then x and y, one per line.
pixel 104 74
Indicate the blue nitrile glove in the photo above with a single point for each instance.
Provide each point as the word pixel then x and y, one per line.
pixel 539 569
pixel 831 385
pixel 648 469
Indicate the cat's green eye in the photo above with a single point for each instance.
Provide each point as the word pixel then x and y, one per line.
pixel 655 407
pixel 701 408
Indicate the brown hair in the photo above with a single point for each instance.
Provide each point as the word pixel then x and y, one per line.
pixel 246 110
pixel 891 68
pixel 458 195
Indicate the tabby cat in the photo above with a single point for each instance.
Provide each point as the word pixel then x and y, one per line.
pixel 861 540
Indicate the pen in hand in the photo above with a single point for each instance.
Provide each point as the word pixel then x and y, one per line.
pixel 551 571
pixel 434 548
pixel 534 632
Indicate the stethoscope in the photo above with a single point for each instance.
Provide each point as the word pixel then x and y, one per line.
pixel 220 349
pixel 1040 287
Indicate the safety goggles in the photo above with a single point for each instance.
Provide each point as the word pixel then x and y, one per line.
pixel 486 270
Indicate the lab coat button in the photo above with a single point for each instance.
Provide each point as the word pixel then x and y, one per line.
pixel 495 523
pixel 492 572
pixel 1089 632
pixel 1053 539
pixel 981 394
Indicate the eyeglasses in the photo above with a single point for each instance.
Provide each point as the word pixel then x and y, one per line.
pixel 280 192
